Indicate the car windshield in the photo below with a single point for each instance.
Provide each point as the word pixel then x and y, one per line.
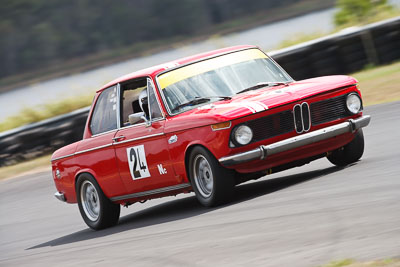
pixel 219 78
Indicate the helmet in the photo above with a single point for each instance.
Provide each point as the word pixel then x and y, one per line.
pixel 143 102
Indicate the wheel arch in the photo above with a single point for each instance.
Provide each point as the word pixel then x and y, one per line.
pixel 188 151
pixel 82 172
pixel 104 213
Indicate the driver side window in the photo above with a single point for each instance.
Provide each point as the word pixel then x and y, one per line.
pixel 138 102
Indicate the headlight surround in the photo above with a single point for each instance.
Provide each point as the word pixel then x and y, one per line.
pixel 242 135
pixel 353 103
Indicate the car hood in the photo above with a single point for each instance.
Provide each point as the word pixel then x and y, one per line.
pixel 257 101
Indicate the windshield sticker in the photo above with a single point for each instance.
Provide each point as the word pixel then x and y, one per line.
pixel 185 72
pixel 137 162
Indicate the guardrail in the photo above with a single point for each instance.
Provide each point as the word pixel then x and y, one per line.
pixel 42 137
pixel 344 52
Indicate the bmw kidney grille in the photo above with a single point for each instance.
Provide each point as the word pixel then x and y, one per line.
pixel 302 118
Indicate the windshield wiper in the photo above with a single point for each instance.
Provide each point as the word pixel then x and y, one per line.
pixel 199 100
pixel 262 84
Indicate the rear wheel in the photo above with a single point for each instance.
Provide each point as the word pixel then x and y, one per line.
pixel 350 153
pixel 96 209
pixel 212 183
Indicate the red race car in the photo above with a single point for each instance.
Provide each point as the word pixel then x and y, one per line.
pixel 204 123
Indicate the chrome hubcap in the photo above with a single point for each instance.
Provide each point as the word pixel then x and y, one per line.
pixel 90 200
pixel 203 176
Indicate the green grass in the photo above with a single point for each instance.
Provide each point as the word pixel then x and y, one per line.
pixel 379 84
pixel 30 166
pixel 38 113
pixel 379 15
pixel 339 263
pixel 353 263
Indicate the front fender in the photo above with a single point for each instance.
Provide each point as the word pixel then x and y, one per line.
pixel 217 142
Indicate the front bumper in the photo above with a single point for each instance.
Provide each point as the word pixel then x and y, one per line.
pixel 263 152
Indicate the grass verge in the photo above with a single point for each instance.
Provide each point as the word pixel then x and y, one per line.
pixel 352 263
pixel 24 168
pixel 380 84
pixel 42 112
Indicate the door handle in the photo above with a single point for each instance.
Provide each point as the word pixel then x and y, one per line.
pixel 119 138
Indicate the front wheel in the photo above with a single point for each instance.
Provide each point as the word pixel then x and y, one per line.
pixel 96 209
pixel 212 183
pixel 350 153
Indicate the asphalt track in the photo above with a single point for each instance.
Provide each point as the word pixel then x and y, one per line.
pixel 306 216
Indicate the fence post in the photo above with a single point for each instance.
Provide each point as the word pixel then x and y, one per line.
pixel 369 47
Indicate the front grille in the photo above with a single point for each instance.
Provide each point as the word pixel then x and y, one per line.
pixel 272 125
pixel 299 118
pixel 305 112
pixel 328 110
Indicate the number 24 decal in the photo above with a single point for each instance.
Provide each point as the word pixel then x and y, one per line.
pixel 137 162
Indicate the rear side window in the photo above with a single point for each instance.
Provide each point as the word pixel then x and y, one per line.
pixel 104 116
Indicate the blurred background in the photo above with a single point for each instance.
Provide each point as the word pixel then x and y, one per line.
pixel 55 54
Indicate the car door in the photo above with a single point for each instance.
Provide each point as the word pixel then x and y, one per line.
pixel 96 153
pixel 141 147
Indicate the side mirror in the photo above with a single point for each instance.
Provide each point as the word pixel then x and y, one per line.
pixel 136 117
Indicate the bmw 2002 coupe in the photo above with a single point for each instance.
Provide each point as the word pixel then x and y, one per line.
pixel 204 123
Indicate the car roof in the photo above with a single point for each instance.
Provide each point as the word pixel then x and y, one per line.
pixel 152 71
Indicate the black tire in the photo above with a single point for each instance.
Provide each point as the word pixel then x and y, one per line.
pixel 96 209
pixel 350 153
pixel 212 183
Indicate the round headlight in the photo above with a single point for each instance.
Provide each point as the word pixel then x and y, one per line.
pixel 243 135
pixel 353 103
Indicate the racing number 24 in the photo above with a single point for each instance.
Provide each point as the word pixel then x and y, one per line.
pixel 135 157
pixel 137 162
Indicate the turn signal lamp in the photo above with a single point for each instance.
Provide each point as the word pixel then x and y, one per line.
pixel 221 126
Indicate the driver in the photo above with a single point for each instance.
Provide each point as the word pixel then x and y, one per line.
pixel 144 103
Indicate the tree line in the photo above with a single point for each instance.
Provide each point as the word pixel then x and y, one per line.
pixel 38 33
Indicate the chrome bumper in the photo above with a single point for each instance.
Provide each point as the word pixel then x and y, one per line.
pixel 305 139
pixel 60 196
